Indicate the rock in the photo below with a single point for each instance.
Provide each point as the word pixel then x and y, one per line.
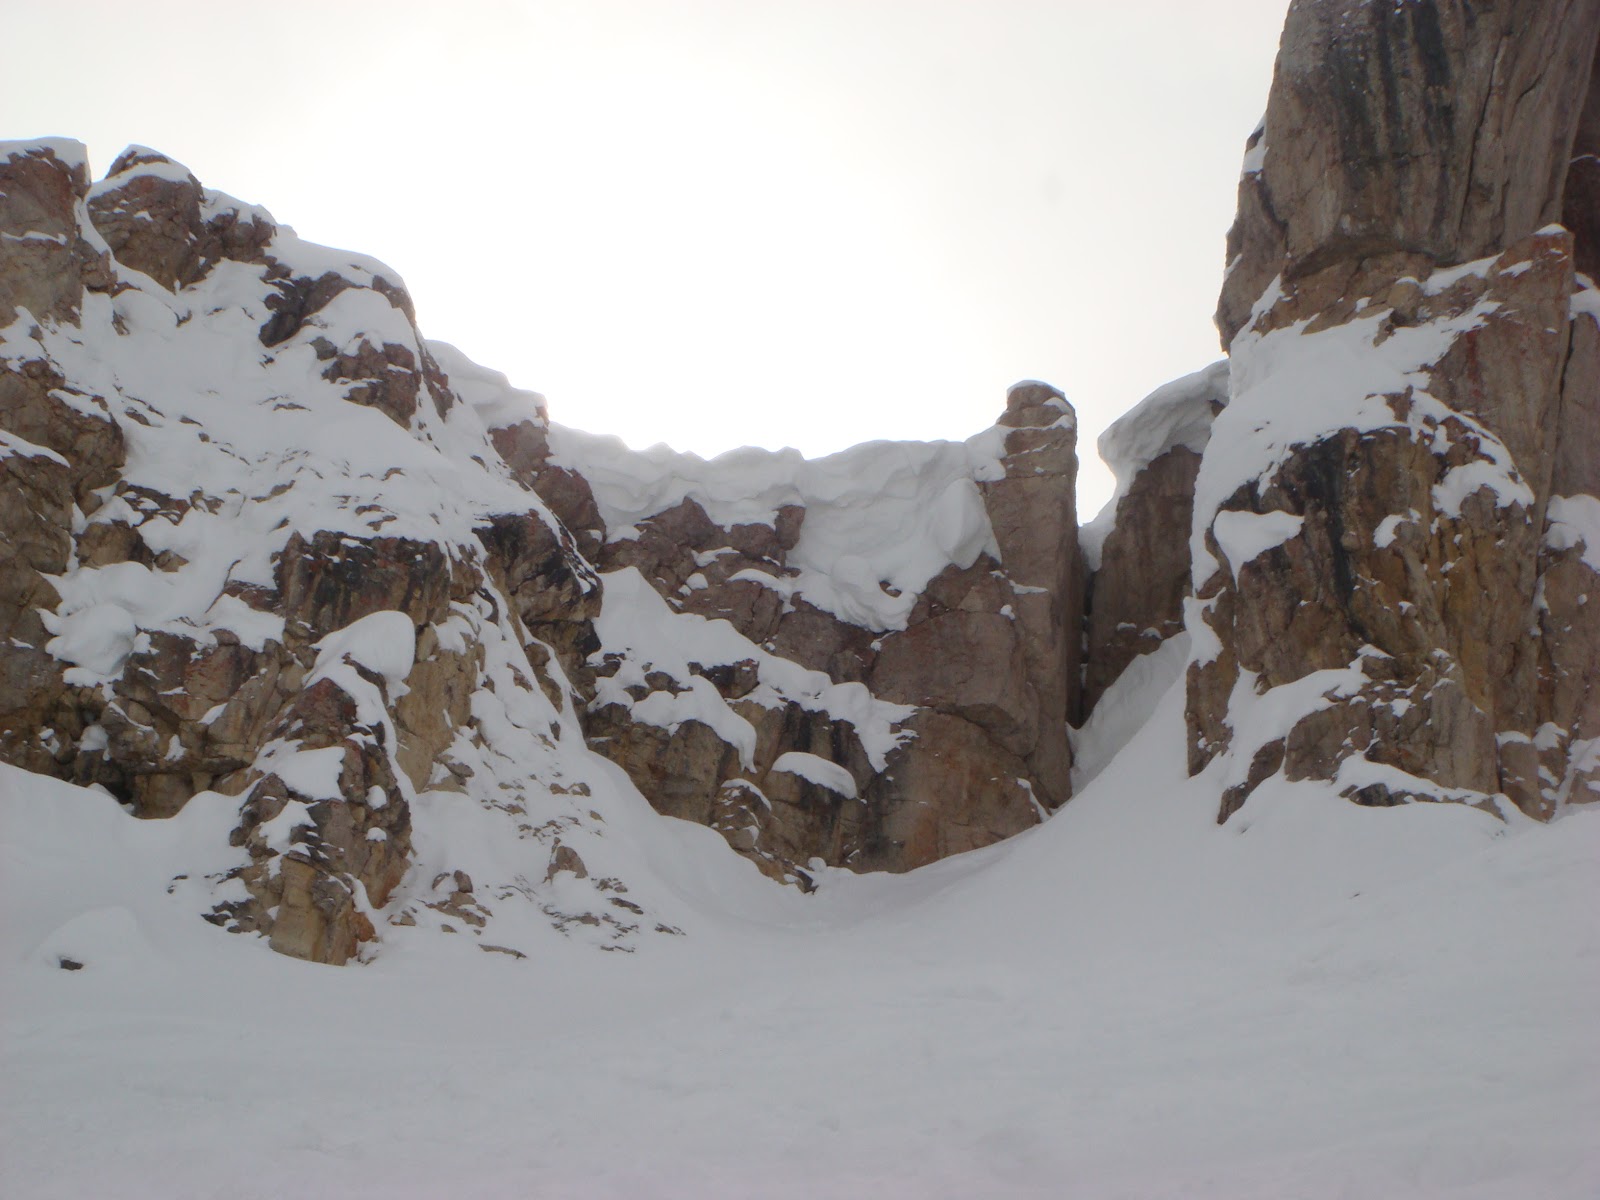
pixel 47 258
pixel 986 664
pixel 1580 203
pixel 36 515
pixel 554 588
pixel 1136 595
pixel 968 665
pixel 1138 549
pixel 148 211
pixel 269 636
pixel 1378 600
pixel 957 790
pixel 1033 510
pixel 820 641
pixel 1429 128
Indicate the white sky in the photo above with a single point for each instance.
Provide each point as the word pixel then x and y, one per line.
pixel 721 222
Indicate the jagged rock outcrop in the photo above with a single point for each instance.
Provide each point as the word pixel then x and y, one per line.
pixel 257 552
pixel 1394 531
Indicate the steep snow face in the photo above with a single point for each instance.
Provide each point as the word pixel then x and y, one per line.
pixel 882 519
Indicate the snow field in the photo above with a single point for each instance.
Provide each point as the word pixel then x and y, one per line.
pixel 1315 1000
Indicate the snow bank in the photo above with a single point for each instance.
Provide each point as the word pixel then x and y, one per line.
pixel 1238 1011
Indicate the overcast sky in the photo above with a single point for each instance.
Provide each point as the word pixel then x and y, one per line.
pixel 721 222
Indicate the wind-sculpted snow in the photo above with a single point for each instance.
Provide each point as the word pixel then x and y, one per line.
pixel 882 519
pixel 1177 415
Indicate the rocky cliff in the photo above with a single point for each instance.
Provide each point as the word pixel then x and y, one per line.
pixel 268 548
pixel 1395 522
pixel 270 555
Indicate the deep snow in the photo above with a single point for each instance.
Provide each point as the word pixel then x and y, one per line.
pixel 1315 1000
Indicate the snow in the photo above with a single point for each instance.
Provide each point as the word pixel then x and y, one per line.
pixel 1245 536
pixel 15 445
pixel 882 519
pixel 490 393
pixel 1124 708
pixel 1389 528
pixel 1573 521
pixel 70 151
pixel 817 770
pixel 1317 1000
pixel 1293 387
pixel 1255 155
pixel 383 642
pixel 171 172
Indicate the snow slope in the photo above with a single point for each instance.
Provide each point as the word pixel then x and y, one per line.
pixel 1316 1000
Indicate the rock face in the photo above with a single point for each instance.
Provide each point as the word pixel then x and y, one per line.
pixel 868 660
pixel 271 560
pixel 259 553
pixel 1442 128
pixel 268 552
pixel 1395 526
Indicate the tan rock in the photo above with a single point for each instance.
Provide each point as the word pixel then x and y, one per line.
pixel 1364 189
pixel 1433 128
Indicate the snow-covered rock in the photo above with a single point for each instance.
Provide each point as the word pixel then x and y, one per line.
pixel 261 554
pixel 1388 591
pixel 907 612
